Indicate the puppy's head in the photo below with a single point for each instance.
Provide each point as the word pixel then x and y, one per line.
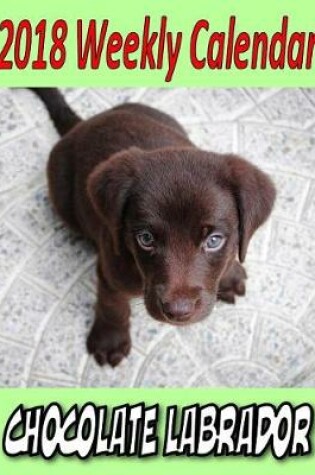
pixel 184 215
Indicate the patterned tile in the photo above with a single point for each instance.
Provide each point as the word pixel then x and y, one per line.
pixel 283 348
pixel 89 103
pixel 261 93
pixel 219 137
pixel 60 259
pixel 308 213
pixel 183 107
pixel 278 148
pixel 274 289
pixel 22 160
pixel 121 376
pixel 61 351
pixel 23 310
pixel 12 120
pixel 227 332
pixel 14 363
pixel 14 251
pixel 291 191
pixel 222 104
pixel 307 320
pixel 33 215
pixel 168 365
pixel 245 374
pixel 145 331
pixel 47 274
pixel 289 107
pixel 293 247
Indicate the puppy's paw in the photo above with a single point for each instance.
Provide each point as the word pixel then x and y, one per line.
pixel 108 346
pixel 232 283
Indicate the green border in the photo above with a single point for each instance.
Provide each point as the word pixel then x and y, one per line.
pixel 126 16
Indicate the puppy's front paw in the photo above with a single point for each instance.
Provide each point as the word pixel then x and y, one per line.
pixel 108 345
pixel 232 283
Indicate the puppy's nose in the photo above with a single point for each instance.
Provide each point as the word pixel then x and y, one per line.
pixel 179 309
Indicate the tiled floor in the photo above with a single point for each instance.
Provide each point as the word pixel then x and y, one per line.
pixel 47 279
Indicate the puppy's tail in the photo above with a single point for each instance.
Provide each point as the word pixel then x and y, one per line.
pixel 63 117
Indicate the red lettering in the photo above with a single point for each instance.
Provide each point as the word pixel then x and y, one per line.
pixel 196 62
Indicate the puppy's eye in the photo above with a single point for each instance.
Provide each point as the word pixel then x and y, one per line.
pixel 145 240
pixel 214 242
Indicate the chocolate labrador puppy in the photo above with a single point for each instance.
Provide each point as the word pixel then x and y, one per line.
pixel 170 221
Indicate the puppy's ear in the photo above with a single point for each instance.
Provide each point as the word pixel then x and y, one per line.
pixel 108 187
pixel 255 195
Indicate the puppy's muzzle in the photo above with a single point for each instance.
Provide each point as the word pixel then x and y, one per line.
pixel 179 310
pixel 179 305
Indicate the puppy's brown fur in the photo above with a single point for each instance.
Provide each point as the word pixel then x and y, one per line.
pixel 154 205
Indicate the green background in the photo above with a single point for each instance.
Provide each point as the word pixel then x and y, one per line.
pixel 126 16
pixel 265 465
